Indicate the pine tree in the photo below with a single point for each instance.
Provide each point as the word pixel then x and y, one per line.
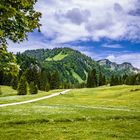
pixel 55 80
pixel 47 88
pixel 100 79
pixel 138 79
pixel 116 80
pixel 32 74
pixel 89 85
pixel 112 83
pixel 124 79
pixel 120 80
pixel 92 79
pixel 14 83
pixel 33 89
pixel 103 80
pixel 43 80
pixel 22 86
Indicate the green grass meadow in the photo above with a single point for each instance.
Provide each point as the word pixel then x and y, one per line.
pixel 103 113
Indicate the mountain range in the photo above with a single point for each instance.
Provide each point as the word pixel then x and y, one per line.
pixel 124 67
pixel 73 66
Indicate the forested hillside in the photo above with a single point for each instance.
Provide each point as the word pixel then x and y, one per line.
pixel 74 66
pixel 67 68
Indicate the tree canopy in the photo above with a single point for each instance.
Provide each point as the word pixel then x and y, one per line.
pixel 8 62
pixel 17 18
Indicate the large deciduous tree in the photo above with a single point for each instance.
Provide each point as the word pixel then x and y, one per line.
pixel 8 62
pixel 17 18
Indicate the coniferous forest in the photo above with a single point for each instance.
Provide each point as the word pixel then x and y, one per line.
pixel 62 68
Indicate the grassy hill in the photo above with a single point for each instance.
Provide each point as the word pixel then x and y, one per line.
pixel 73 66
pixel 103 113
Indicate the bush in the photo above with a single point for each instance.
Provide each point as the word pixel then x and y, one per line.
pixel 14 83
pixel 47 87
pixel 0 91
pixel 33 89
pixel 22 86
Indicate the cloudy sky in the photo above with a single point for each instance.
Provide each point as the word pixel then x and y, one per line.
pixel 98 28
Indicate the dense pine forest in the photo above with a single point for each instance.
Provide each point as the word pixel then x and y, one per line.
pixel 62 68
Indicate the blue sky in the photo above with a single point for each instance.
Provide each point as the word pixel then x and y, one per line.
pixel 98 28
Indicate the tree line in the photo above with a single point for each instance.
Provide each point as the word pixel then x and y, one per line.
pixel 96 79
pixel 30 76
pixel 33 78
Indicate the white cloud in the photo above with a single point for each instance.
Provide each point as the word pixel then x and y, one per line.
pixel 69 20
pixel 75 16
pixel 31 44
pixel 114 46
pixel 133 58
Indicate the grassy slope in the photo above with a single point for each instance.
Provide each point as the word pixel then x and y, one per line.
pixel 76 76
pixel 71 116
pixel 9 95
pixel 57 57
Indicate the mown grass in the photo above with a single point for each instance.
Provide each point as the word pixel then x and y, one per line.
pixel 76 76
pixel 9 95
pixel 57 57
pixel 73 116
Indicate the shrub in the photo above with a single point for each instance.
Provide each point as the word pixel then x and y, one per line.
pixel 33 89
pixel 22 86
pixel 47 87
pixel 14 83
pixel 0 91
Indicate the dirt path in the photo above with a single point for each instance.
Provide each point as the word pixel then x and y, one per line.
pixel 35 100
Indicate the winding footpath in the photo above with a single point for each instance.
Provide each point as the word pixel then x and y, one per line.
pixel 35 100
pixel 64 92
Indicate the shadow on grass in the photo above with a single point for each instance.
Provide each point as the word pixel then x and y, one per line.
pixel 77 119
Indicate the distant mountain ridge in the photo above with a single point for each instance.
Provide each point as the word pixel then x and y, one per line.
pixel 118 67
pixel 73 66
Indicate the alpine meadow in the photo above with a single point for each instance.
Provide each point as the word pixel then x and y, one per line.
pixel 69 70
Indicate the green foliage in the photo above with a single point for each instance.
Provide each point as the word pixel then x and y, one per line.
pixel 55 80
pixel 43 80
pixel 57 57
pixel 33 89
pixel 22 86
pixel 73 68
pixel 133 79
pixel 14 83
pixel 102 79
pixel 114 81
pixel 18 17
pixel 92 79
pixel 47 88
pixel 8 63
pixel 32 74
pixel 71 65
pixel 9 95
pixel 0 91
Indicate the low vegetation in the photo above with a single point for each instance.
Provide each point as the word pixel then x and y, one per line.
pixel 110 113
pixel 10 95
